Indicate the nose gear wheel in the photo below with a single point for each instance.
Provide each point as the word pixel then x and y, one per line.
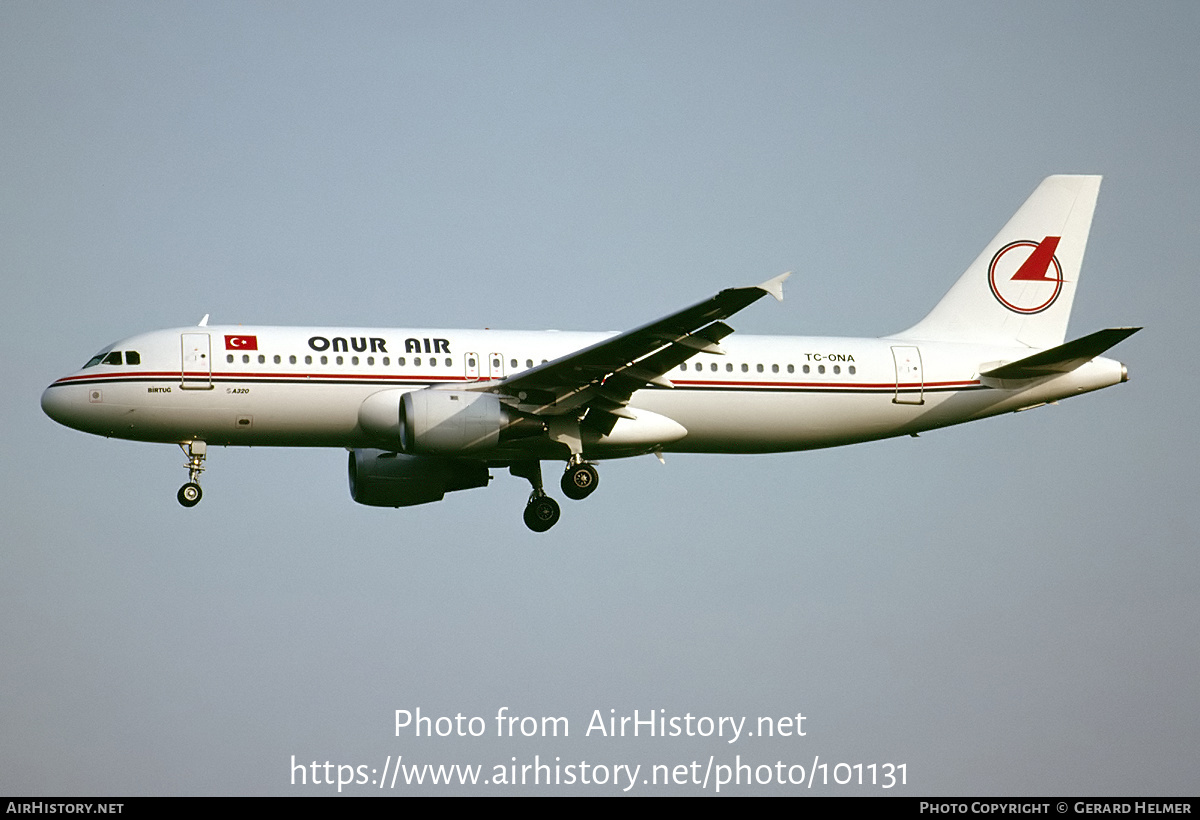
pixel 189 494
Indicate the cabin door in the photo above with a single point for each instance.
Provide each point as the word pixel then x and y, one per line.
pixel 196 368
pixel 910 377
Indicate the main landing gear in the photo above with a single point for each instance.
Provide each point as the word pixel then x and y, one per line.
pixel 541 511
pixel 189 494
pixel 579 480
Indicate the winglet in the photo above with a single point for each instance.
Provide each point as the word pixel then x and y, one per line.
pixel 775 286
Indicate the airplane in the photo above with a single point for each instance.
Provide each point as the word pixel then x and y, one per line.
pixel 424 412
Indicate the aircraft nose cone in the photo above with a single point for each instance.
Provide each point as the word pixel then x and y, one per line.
pixel 51 405
pixel 59 403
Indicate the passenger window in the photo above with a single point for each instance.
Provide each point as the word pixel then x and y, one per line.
pixel 262 359
pixel 774 368
pixel 745 368
pixel 791 368
pixel 370 360
pixel 354 360
pixel 760 368
pixel 340 360
pixel 324 360
pixel 821 369
pixel 245 358
pixel 432 361
pixel 729 367
pixel 416 361
pixel 852 370
pixel 291 359
pixel 807 369
pixel 513 364
pixel 278 360
pixel 308 359
pixel 133 357
pixel 449 362
pixel 386 361
pixel 229 358
pixel 529 362
pixel 400 362
pixel 699 366
pixel 837 368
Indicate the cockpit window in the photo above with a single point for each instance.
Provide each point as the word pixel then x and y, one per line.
pixel 110 356
pixel 99 357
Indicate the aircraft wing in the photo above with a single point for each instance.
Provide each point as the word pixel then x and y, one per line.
pixel 596 382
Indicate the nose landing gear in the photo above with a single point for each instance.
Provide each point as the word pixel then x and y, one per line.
pixel 189 494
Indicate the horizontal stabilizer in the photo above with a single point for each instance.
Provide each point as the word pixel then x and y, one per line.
pixel 1064 358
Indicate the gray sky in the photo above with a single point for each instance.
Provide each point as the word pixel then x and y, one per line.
pixel 1007 607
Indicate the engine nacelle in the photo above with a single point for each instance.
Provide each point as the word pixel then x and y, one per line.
pixel 447 422
pixel 379 478
pixel 442 422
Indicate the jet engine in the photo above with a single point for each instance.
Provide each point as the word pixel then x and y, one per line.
pixel 446 421
pixel 379 478
pixel 442 422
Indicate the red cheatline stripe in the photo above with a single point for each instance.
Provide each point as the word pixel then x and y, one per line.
pixel 174 375
pixel 425 378
pixel 848 385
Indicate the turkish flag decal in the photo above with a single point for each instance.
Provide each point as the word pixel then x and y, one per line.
pixel 241 343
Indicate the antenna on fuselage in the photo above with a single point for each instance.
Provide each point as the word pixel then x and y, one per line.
pixel 204 321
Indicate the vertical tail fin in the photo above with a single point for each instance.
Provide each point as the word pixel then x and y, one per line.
pixel 1019 291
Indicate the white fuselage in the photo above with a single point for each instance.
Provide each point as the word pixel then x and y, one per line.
pixel 425 412
pixel 307 386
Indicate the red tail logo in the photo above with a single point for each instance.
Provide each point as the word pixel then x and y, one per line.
pixel 1026 281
